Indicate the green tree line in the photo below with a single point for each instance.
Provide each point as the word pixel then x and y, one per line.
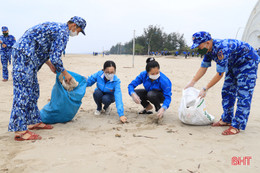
pixel 152 39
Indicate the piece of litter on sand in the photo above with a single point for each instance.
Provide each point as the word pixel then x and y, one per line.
pixel 191 171
pixel 153 119
pixel 172 131
pixel 134 135
pixel 116 128
pixel 118 135
pixel 68 86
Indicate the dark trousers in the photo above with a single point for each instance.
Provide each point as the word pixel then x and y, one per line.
pixel 105 98
pixel 155 97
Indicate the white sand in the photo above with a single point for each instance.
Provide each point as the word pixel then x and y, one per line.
pixel 88 143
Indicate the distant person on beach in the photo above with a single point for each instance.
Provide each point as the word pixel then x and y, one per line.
pixel 157 89
pixel 6 43
pixel 240 62
pixel 108 90
pixel 43 43
pixel 185 54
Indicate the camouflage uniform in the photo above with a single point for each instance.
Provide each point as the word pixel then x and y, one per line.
pixel 37 45
pixel 240 62
pixel 6 52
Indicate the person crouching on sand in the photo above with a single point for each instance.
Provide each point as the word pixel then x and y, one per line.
pixel 157 89
pixel 108 90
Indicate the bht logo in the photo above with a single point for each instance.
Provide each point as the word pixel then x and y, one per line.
pixel 241 160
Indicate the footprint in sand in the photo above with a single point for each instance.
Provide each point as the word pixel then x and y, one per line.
pixel 139 124
pixel 5 138
pixel 83 129
pixel 4 170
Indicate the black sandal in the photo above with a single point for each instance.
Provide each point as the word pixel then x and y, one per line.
pixel 145 112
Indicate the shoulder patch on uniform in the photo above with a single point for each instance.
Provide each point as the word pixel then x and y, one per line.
pixel 220 55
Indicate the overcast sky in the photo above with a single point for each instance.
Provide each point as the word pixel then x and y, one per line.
pixel 113 21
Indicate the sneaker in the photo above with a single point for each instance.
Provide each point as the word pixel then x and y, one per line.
pixel 108 110
pixel 97 112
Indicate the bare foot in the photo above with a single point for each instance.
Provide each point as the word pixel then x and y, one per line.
pixel 39 126
pixel 5 80
pixel 26 135
pixel 220 123
pixel 231 131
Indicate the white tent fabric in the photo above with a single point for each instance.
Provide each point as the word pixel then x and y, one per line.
pixel 251 33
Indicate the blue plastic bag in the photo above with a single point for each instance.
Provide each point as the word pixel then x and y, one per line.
pixel 64 104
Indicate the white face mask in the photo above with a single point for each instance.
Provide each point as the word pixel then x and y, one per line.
pixel 154 77
pixel 109 76
pixel 72 34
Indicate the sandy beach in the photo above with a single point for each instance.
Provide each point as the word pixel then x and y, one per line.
pixel 92 143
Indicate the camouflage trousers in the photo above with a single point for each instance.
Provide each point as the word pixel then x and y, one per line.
pixel 4 60
pixel 25 94
pixel 239 86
